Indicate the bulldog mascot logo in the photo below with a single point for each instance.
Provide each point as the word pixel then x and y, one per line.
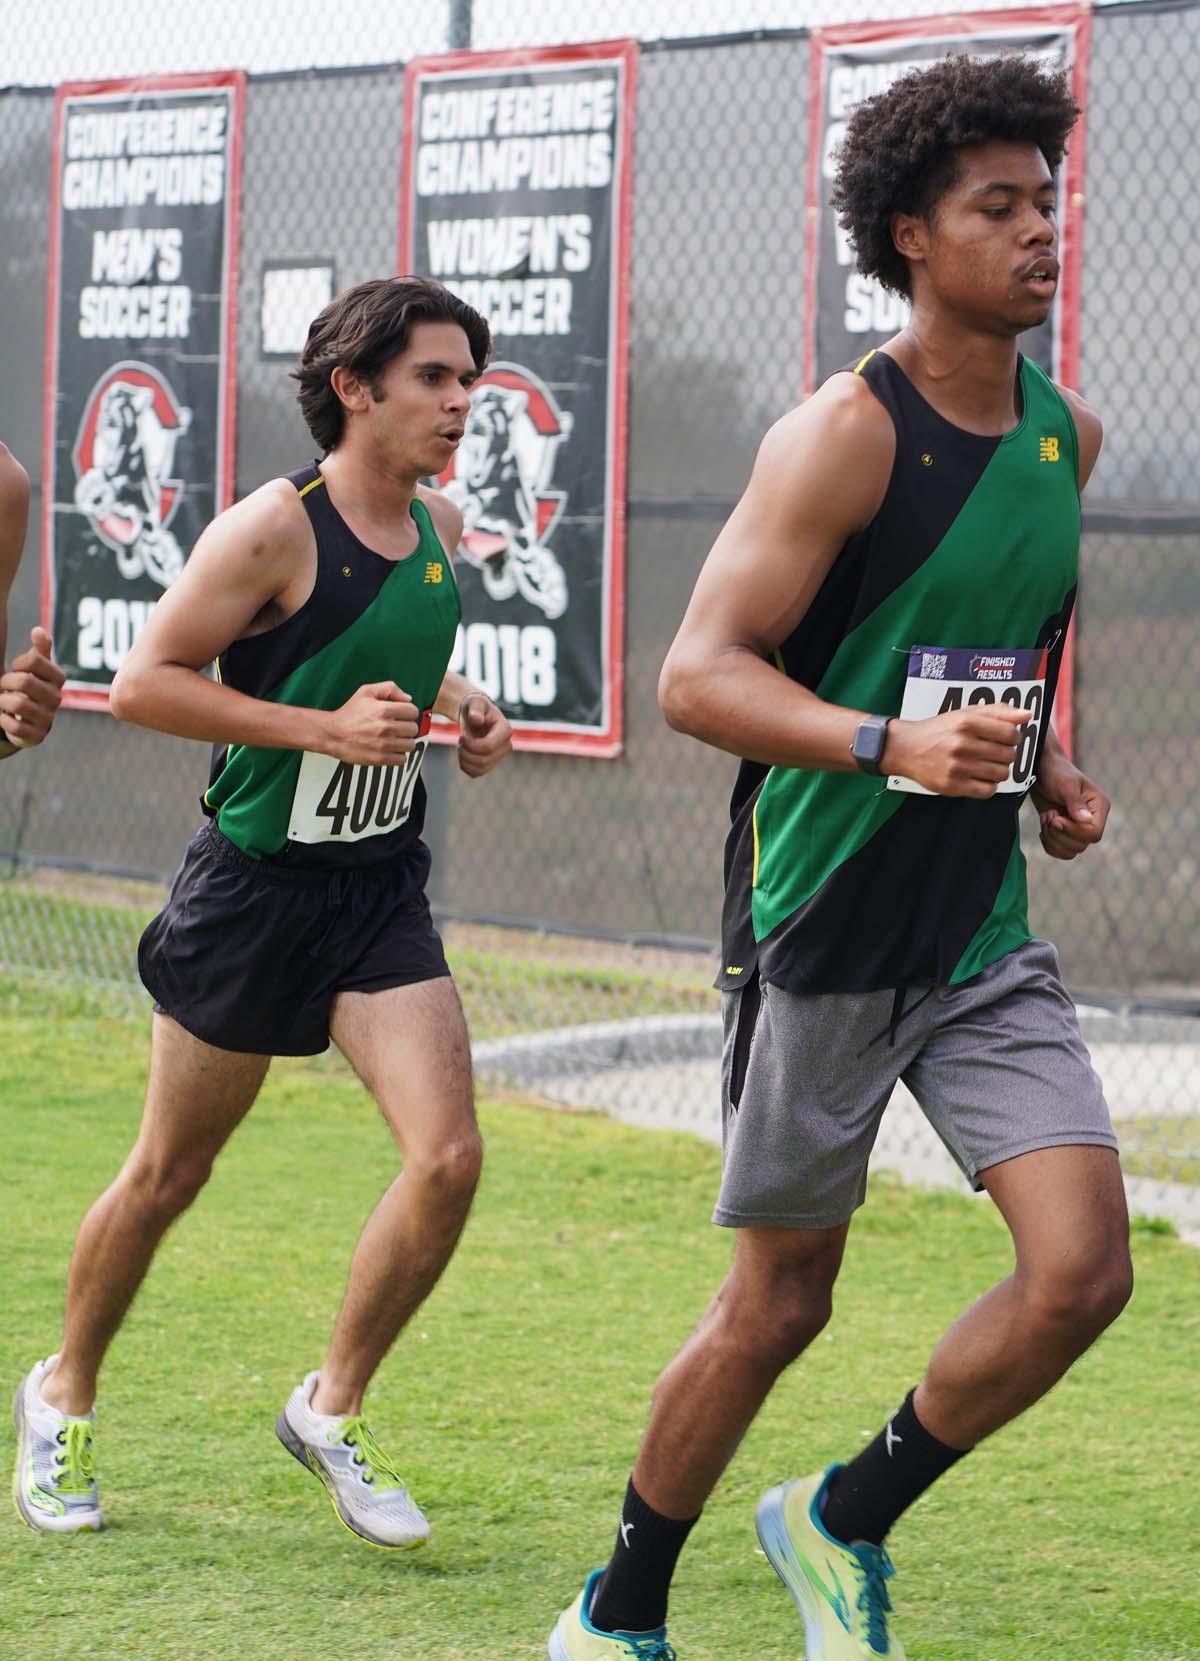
pixel 500 481
pixel 124 457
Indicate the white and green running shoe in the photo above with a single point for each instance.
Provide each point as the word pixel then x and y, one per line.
pixel 840 1591
pixel 364 1485
pixel 54 1481
pixel 575 1638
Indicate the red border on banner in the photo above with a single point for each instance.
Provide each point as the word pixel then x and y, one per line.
pixel 607 743
pixel 1076 18
pixel 97 698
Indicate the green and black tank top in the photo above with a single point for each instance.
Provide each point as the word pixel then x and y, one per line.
pixel 367 619
pixel 834 882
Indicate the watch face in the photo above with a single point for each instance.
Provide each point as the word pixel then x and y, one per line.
pixel 869 741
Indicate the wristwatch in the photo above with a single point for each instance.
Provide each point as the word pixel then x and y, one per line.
pixel 869 740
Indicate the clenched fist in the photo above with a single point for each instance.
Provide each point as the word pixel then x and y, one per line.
pixel 379 724
pixel 30 693
pixel 965 752
pixel 1072 811
pixel 485 736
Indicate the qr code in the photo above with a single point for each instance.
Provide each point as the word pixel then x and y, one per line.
pixel 933 666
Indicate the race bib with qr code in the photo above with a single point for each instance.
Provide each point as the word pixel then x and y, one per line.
pixel 942 678
pixel 348 801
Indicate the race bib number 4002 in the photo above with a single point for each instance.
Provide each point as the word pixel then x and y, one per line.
pixel 347 801
pixel 942 678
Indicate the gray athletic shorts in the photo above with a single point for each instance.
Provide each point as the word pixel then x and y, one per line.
pixel 996 1064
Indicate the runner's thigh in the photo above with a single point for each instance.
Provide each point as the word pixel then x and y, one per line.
pixel 1004 1070
pixel 409 1046
pixel 197 1094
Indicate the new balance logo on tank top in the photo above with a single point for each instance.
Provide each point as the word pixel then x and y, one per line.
pixel 832 881
pixel 368 619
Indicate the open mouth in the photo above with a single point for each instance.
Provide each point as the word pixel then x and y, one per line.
pixel 1041 278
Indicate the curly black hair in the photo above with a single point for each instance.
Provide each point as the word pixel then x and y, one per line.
pixel 900 153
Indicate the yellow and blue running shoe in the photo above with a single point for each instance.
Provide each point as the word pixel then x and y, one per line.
pixel 576 1639
pixel 840 1591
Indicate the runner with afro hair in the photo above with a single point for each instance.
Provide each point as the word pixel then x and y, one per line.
pixel 878 633
pixel 903 149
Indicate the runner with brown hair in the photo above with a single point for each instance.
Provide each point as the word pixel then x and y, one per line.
pixel 327 601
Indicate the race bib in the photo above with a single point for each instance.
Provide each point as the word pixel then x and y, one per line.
pixel 347 801
pixel 942 678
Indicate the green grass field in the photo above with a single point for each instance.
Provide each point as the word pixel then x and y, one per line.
pixel 1162 1148
pixel 515 1402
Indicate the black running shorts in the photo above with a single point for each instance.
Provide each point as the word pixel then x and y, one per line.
pixel 248 955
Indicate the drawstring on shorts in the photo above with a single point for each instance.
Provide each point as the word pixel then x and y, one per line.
pixel 899 1014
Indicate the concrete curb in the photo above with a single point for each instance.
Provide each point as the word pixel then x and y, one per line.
pixel 643 1041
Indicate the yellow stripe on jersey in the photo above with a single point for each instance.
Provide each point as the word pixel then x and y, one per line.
pixel 858 367
pixel 754 828
pixel 312 484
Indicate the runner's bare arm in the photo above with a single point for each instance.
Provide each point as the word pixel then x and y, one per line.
pixel 1088 431
pixel 31 686
pixel 821 475
pixel 258 552
pixel 14 521
pixel 1073 811
pixel 485 735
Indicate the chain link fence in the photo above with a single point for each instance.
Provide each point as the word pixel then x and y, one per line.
pixel 581 896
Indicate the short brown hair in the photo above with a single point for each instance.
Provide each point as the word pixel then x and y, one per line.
pixel 363 329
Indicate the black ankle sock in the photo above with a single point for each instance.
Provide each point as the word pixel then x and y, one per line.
pixel 632 1597
pixel 866 1496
